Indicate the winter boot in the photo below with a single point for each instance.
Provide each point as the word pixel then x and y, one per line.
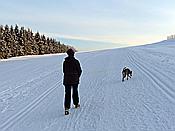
pixel 77 106
pixel 66 111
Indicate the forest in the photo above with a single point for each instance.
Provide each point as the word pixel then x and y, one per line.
pixel 18 41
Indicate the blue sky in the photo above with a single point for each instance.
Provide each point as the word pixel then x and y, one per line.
pixel 128 22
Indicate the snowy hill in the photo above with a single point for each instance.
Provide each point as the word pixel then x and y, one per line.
pixel 31 91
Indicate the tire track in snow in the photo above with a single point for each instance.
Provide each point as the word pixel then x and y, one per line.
pixel 161 121
pixel 16 68
pixel 14 93
pixel 26 83
pixel 29 108
pixel 92 107
pixel 165 90
pixel 161 74
pixel 162 86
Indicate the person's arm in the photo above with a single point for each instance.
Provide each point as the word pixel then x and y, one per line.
pixel 64 67
pixel 79 70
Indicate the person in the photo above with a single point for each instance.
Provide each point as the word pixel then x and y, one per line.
pixel 72 72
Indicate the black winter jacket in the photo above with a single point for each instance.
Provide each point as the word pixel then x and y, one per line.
pixel 72 71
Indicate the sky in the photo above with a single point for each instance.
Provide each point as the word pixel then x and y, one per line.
pixel 127 22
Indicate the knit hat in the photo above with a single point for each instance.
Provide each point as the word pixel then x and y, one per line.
pixel 70 52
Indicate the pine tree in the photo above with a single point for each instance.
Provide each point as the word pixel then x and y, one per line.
pixel 15 42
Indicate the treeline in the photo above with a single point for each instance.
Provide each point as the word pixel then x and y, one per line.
pixel 170 37
pixel 19 42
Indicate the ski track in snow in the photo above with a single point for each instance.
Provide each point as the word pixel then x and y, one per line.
pixel 32 94
pixel 163 86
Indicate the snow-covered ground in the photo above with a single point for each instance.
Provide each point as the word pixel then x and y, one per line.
pixel 32 94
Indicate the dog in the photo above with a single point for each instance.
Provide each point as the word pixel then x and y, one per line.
pixel 126 72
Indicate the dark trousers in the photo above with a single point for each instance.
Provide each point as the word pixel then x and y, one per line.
pixel 67 101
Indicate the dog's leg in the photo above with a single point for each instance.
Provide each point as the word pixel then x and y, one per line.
pixel 123 76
